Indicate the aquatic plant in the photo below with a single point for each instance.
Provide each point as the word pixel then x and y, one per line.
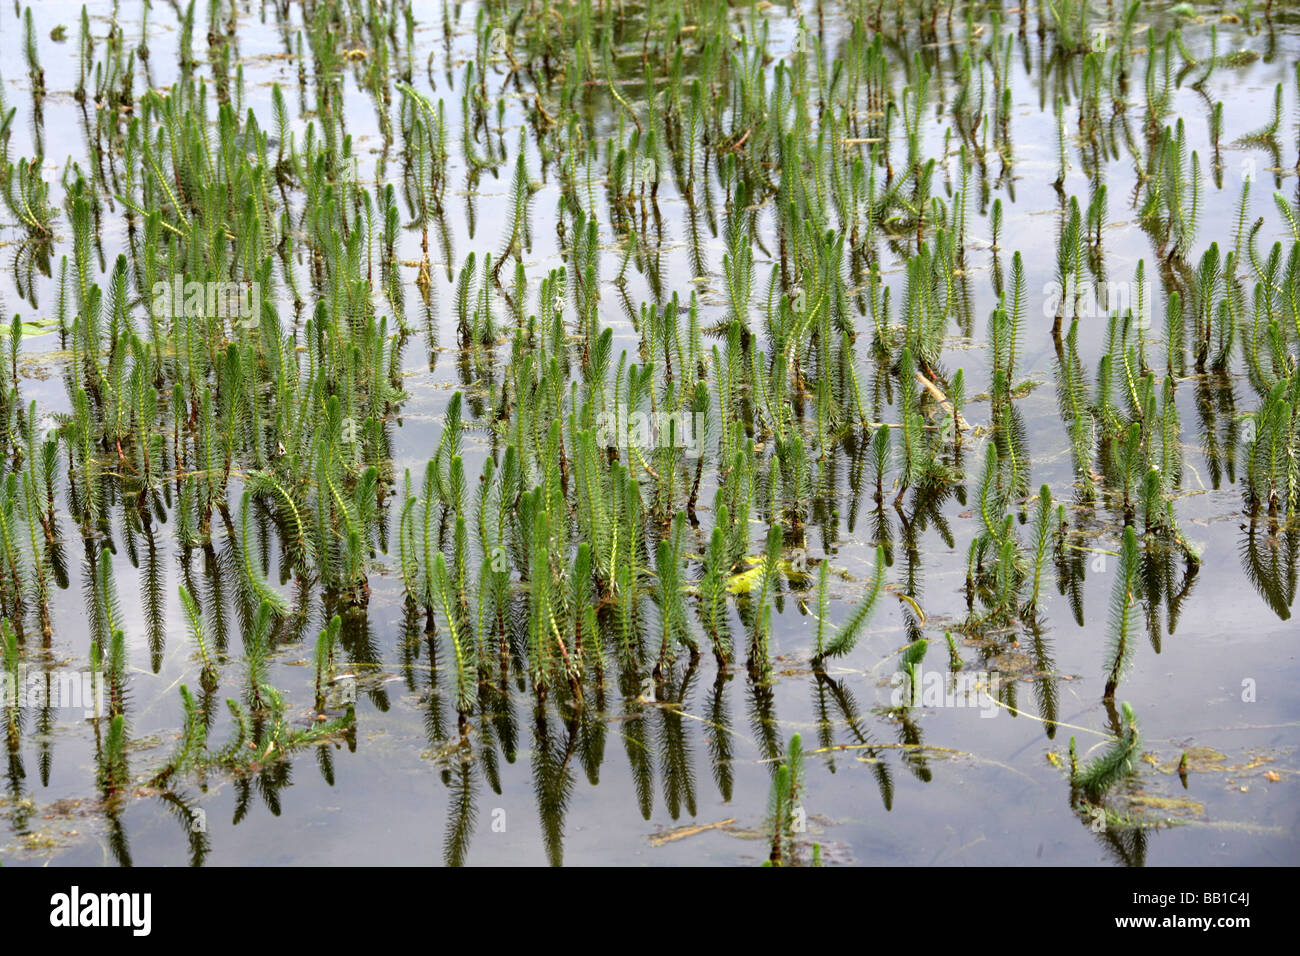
pixel 847 634
pixel 1116 763
pixel 784 814
pixel 707 285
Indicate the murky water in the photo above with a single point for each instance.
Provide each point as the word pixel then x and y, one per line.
pixel 681 775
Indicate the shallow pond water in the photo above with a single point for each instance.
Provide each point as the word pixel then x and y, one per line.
pixel 677 768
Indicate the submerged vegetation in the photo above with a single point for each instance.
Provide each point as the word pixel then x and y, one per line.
pixel 704 274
